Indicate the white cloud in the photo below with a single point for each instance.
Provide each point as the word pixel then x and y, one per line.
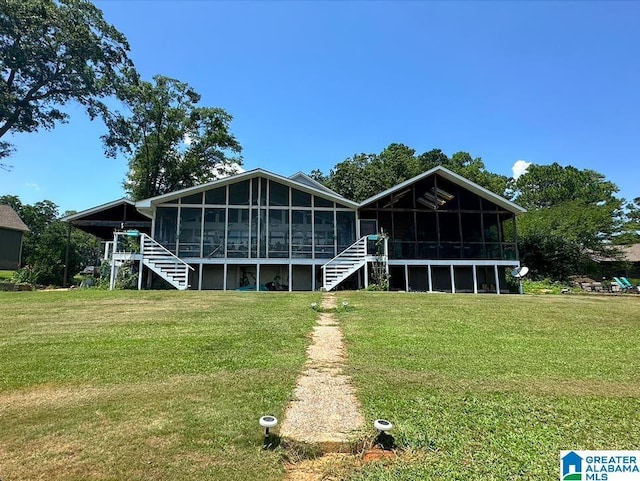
pixel 32 185
pixel 187 140
pixel 520 167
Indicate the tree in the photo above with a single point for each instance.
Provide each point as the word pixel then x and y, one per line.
pixel 171 143
pixel 365 175
pixel 470 168
pixel 573 216
pixel 53 52
pixel 630 228
pixel 44 247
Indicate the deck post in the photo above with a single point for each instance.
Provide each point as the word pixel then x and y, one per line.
pixel 453 279
pixel 112 279
pixel 475 280
pixel 142 234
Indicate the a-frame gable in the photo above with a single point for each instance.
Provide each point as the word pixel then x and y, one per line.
pixel 452 177
pixel 307 185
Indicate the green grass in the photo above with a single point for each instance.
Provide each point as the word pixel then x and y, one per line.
pixel 493 387
pixel 145 386
pixel 163 385
pixel 5 275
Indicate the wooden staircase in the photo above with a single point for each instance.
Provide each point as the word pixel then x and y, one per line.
pixel 148 253
pixel 344 264
pixel 164 263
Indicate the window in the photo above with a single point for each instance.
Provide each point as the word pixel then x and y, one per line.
pixel 167 227
pixel 214 231
pixel 346 227
pixel 190 225
pixel 193 199
pixel 278 233
pixel 278 194
pixel 239 193
pixel 238 233
pixel 301 234
pixel 320 202
pixel 300 199
pixel 216 196
pixel 324 235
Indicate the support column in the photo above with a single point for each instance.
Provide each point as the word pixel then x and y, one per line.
pixel 141 264
pixel 257 277
pixel 429 278
pixel 201 268
pixel 366 275
pixel 453 279
pixel 475 280
pixel 290 277
pixel 406 278
pixel 225 271
pixel 495 271
pixel 65 277
pixel 112 279
pixel 313 277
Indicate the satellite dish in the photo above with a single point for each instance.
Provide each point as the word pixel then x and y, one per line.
pixel 520 272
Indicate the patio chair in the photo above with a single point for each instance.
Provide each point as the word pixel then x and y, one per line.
pixel 627 283
pixel 620 283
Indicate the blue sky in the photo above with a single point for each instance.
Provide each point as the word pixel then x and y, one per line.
pixel 312 83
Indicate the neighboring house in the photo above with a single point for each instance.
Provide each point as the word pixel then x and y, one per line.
pixel 255 229
pixel 627 265
pixel 11 231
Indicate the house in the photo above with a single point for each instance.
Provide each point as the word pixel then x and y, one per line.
pixel 627 264
pixel 435 232
pixel 11 231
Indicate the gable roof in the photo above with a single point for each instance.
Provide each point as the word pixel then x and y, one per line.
pixel 456 179
pixel 297 180
pixel 102 220
pixel 303 178
pixel 99 208
pixel 9 219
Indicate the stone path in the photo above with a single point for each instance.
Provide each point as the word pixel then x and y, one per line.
pixel 325 411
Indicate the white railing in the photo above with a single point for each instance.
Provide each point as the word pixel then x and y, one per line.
pixel 164 262
pixel 151 254
pixel 344 264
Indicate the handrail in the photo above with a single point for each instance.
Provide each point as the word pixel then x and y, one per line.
pixel 145 237
pixel 355 244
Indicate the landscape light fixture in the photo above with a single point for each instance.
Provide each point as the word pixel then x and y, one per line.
pixel 383 440
pixel 382 425
pixel 314 306
pixel 267 422
pixel 345 305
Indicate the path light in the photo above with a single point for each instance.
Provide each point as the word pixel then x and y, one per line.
pixel 314 305
pixel 382 425
pixel 345 305
pixel 267 422
pixel 384 440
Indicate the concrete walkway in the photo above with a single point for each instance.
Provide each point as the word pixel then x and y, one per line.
pixel 325 411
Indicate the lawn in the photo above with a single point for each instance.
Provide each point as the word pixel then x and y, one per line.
pixel 161 385
pixel 5 275
pixel 492 388
pixel 145 386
